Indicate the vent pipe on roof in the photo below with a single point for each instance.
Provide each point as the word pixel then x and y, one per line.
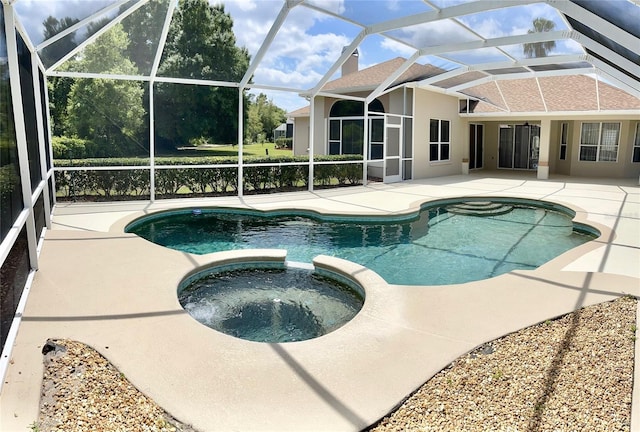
pixel 351 65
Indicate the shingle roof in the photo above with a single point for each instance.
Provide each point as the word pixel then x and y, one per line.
pixel 373 76
pixel 548 94
pixel 544 94
pixel 300 112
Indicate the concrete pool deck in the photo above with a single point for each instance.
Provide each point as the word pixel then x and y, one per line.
pixel 117 293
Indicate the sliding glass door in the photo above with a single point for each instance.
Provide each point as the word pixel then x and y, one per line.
pixel 518 146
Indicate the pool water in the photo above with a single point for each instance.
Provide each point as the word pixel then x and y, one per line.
pixel 271 305
pixel 433 247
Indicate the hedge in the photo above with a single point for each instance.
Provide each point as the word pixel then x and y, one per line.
pixel 171 182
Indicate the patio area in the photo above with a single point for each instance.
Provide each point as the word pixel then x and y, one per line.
pixel 117 293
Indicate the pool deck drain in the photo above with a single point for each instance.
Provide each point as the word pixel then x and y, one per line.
pixel 116 293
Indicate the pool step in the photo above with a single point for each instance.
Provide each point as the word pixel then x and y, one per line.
pixel 479 208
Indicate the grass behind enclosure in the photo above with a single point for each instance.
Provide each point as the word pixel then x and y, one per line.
pixel 230 150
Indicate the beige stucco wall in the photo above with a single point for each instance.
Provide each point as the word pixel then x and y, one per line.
pixel 572 165
pixel 393 102
pixel 301 136
pixel 429 105
pixel 623 167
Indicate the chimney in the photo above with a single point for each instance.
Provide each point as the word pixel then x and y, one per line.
pixel 351 65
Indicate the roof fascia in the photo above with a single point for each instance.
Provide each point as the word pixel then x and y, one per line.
pixel 341 96
pixel 97 34
pixel 533 115
pixel 273 31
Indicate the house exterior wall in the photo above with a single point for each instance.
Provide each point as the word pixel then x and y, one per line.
pixel 429 105
pixel 622 168
pixel 572 166
pixel 491 144
pixel 319 126
pixel 632 169
pixel 399 102
pixel 557 166
pixel 301 136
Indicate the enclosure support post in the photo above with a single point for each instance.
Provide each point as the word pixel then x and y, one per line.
pixel 152 146
pixel 543 155
pixel 240 143
pixel 312 127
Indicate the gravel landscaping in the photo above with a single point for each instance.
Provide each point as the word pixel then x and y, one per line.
pixel 572 373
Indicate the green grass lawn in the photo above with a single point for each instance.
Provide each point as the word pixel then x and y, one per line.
pixel 229 150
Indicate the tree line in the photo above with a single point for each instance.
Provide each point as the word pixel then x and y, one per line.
pixel 108 117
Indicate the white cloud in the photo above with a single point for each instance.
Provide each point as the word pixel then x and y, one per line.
pixel 335 6
pixel 393 5
pixel 297 57
pixel 397 48
pixel 246 5
pixel 490 28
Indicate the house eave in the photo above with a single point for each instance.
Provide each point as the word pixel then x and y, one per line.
pixel 618 114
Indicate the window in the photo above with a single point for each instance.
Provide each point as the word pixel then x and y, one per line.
pixel 439 141
pixel 636 145
pixel 346 128
pixel 376 134
pixel 599 142
pixel 563 140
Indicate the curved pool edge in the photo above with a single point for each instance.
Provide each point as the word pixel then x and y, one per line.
pixel 411 211
pixel 577 215
pixel 321 382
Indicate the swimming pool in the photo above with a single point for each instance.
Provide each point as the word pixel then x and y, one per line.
pixel 444 243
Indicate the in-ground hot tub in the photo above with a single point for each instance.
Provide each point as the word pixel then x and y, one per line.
pixel 271 302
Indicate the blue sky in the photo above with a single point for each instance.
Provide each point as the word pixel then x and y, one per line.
pixel 309 41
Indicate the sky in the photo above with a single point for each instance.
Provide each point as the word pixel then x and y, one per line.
pixel 309 41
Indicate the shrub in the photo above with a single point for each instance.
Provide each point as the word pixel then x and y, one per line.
pixel 284 143
pixel 269 176
pixel 72 148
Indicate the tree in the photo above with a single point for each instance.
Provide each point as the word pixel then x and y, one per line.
pixel 540 49
pixel 263 117
pixel 200 45
pixel 108 112
pixel 144 27
pixel 55 51
pixel 59 88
